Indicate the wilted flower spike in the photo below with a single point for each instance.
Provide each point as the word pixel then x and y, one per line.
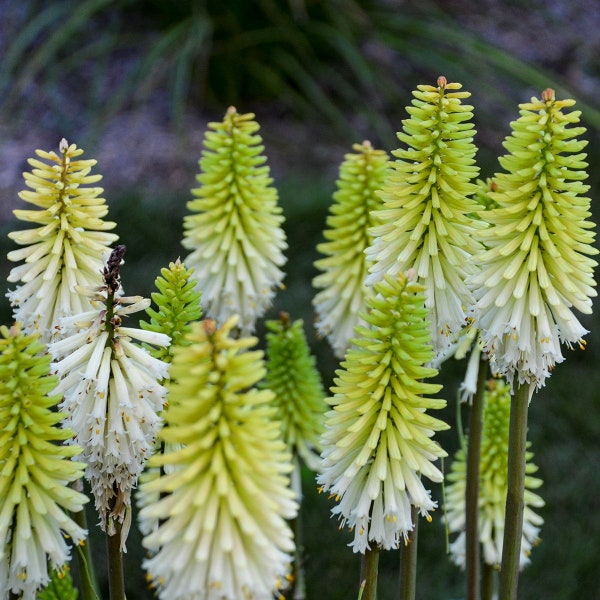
pixel 341 282
pixel 223 509
pixel 35 497
pixel 493 486
pixel 235 232
pixel 427 200
pixel 293 377
pixel 537 265
pixel 177 305
pixel 112 395
pixel 377 441
pixel 68 247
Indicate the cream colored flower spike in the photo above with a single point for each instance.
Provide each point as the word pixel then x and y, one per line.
pixel 68 246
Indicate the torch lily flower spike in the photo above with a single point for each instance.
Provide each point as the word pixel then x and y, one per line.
pixel 341 298
pixel 235 230
pixel 35 497
pixel 225 495
pixel 537 264
pixel 377 441
pixel 493 486
pixel 112 394
pixel 177 305
pixel 68 247
pixel 427 201
pixel 293 377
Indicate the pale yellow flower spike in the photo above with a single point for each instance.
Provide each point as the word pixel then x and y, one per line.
pixel 67 248
pixel 537 266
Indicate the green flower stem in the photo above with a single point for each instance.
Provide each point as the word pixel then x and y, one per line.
pixel 472 491
pixel 513 525
pixel 488 577
pixel 408 561
pixel 298 586
pixel 369 570
pixel 87 573
pixel 116 579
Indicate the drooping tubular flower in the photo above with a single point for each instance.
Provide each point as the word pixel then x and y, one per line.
pixel 35 497
pixel 223 531
pixel 427 199
pixel 68 246
pixel 235 230
pixel 341 282
pixel 377 440
pixel 112 394
pixel 537 265
pixel 293 377
pixel 493 486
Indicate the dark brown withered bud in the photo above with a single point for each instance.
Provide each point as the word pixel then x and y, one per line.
pixel 111 270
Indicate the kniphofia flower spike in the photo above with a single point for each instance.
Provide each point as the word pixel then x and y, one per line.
pixel 35 497
pixel 68 247
pixel 538 265
pixel 112 394
pixel 377 441
pixel 427 201
pixel 235 230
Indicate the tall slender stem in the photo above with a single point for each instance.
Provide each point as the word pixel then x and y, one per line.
pixel 298 583
pixel 472 490
pixel 513 523
pixel 85 563
pixel 487 582
pixel 369 570
pixel 408 562
pixel 116 580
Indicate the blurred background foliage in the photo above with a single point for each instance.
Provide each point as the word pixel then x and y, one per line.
pixel 320 75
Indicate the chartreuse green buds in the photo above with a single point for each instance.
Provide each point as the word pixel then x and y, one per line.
pixel 177 305
pixel 68 245
pixel 537 265
pixel 60 587
pixel 225 494
pixel 377 441
pixel 299 396
pixel 235 230
pixel 344 267
pixel 35 471
pixel 493 473
pixel 427 199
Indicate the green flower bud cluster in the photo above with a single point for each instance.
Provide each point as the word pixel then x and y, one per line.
pixel 427 197
pixel 235 230
pixel 377 440
pixel 341 282
pixel 60 587
pixel 177 305
pixel 299 396
pixel 35 497
pixel 493 485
